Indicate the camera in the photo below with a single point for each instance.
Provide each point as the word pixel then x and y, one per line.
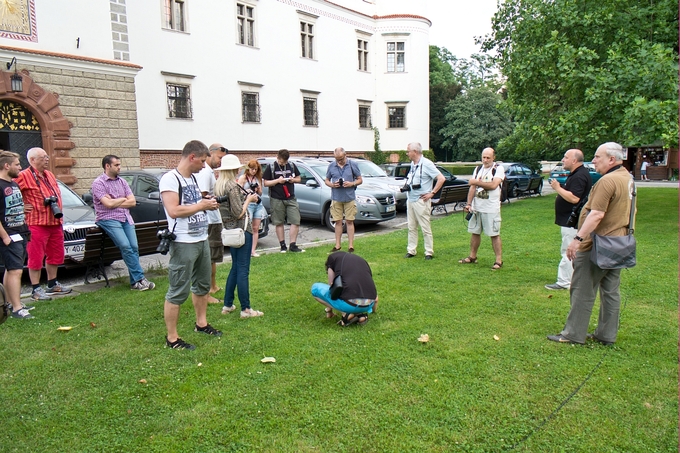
pixel 468 216
pixel 406 188
pixel 254 185
pixel 166 237
pixel 222 199
pixel 259 199
pixel 52 203
pixel 341 182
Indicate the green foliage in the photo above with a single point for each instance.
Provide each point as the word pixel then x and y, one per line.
pixel 113 387
pixel 443 88
pixel 377 156
pixel 580 73
pixel 474 122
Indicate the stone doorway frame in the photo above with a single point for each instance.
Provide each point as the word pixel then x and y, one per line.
pixel 54 128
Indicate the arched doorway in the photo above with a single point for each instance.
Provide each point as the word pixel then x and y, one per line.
pixel 46 120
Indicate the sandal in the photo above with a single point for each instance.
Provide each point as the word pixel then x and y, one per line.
pixel 468 260
pixel 226 310
pixel 347 321
pixel 329 313
pixel 363 319
pixel 497 265
pixel 251 314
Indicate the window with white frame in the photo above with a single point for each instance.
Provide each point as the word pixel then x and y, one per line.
pixel 396 56
pixel 250 106
pixel 175 14
pixel 307 39
pixel 179 101
pixel 245 24
pixel 365 115
pixel 362 52
pixel 396 116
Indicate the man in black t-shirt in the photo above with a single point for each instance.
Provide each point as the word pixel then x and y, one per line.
pixel 281 177
pixel 575 189
pixel 13 233
pixel 359 295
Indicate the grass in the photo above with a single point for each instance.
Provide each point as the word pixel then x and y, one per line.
pixel 371 388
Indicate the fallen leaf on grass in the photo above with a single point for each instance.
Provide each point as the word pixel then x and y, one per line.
pixel 64 328
pixel 200 363
pixel 424 338
pixel 268 360
pixel 549 296
pixel 142 381
pixel 496 337
pixel 93 325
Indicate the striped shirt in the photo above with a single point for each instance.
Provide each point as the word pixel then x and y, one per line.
pixel 104 186
pixel 34 189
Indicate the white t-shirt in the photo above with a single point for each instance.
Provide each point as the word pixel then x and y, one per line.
pixel 189 229
pixel 206 182
pixel 492 204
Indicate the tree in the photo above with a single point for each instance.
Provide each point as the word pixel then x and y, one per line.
pixel 443 88
pixel 475 121
pixel 580 73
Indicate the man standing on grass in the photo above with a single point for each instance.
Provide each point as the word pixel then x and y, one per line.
pixel 13 233
pixel 206 181
pixel 42 196
pixel 420 180
pixel 484 202
pixel 113 199
pixel 607 213
pixel 343 176
pixel 189 266
pixel 576 188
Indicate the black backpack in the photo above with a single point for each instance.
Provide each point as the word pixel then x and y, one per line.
pixel 504 184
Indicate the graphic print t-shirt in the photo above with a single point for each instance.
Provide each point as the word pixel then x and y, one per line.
pixel 189 229
pixel 12 208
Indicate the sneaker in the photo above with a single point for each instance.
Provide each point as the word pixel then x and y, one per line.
pixel 179 344
pixel 284 249
pixel 22 313
pixel 295 248
pixel 39 294
pixel 208 329
pixel 226 310
pixel 255 255
pixel 58 288
pixel 143 285
pixel 27 307
pixel 555 287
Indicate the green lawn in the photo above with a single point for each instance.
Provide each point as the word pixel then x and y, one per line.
pixel 373 388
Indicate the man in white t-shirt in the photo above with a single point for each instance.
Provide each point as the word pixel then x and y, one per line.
pixel 484 203
pixel 206 181
pixel 189 266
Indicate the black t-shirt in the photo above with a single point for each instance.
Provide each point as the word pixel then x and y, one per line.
pixel 579 183
pixel 274 171
pixel 357 279
pixel 12 214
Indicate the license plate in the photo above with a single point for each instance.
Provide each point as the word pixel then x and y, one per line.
pixel 74 251
pixel 391 208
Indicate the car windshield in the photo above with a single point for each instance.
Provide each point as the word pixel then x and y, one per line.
pixel 69 198
pixel 370 170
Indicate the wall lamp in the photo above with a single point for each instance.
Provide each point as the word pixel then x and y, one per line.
pixel 16 80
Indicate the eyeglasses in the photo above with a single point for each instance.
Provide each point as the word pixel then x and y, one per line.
pixel 221 148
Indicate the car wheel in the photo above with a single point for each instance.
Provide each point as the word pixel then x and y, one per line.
pixel 513 191
pixel 264 228
pixel 330 223
pixel 539 189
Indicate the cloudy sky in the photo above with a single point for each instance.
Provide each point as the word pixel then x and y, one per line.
pixel 455 23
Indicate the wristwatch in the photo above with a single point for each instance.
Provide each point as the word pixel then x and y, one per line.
pixel 578 238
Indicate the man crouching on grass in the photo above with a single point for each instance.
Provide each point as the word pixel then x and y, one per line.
pixel 359 295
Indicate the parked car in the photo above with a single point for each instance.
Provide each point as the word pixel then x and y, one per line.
pixel 521 179
pixel 560 174
pixel 374 202
pixel 401 169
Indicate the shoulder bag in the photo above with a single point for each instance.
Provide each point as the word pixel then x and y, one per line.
pixel 234 237
pixel 616 252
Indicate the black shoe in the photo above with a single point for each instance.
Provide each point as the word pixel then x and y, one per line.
pixel 208 329
pixel 592 337
pixel 560 339
pixel 179 344
pixel 408 255
pixel 295 249
pixel 428 257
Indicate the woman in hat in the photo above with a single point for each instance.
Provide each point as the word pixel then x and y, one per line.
pixel 234 215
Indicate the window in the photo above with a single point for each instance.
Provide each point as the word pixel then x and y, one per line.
pixel 365 117
pixel 362 50
pixel 397 116
pixel 179 101
pixel 307 39
pixel 245 15
pixel 175 14
pixel 310 112
pixel 250 107
pixel 395 56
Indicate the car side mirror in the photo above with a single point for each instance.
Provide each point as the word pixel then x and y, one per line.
pixel 312 183
pixel 87 198
pixel 155 196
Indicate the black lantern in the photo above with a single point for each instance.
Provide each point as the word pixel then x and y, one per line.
pixel 17 83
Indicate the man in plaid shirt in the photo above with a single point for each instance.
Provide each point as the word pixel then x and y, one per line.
pixel 40 190
pixel 112 200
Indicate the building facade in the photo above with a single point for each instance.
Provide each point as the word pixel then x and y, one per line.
pixel 140 79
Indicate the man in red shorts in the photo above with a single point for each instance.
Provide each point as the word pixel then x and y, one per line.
pixel 40 192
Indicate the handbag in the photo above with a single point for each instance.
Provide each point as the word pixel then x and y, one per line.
pixel 336 287
pixel 615 252
pixel 234 237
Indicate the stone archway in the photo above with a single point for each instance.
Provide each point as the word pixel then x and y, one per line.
pixel 55 129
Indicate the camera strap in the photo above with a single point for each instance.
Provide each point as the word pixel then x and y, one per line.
pixel 46 182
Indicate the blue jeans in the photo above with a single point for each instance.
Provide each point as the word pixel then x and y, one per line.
pixel 238 275
pixel 125 238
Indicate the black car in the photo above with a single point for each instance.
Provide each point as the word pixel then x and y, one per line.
pixel 521 179
pixel 401 169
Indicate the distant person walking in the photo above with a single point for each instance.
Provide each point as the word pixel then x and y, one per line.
pixel 643 169
pixel 343 176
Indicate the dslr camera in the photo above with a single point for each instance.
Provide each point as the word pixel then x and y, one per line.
pixel 52 203
pixel 341 182
pixel 407 187
pixel 166 237
pixel 222 199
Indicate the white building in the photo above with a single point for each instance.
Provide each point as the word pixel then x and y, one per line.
pixel 141 78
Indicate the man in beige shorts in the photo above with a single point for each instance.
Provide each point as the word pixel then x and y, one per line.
pixel 343 176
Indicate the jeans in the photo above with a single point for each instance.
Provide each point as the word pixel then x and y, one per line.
pixel 125 238
pixel 238 275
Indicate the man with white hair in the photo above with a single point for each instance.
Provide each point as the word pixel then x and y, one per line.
pixel 607 213
pixel 419 181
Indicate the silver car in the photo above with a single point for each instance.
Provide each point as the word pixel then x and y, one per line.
pixel 374 202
